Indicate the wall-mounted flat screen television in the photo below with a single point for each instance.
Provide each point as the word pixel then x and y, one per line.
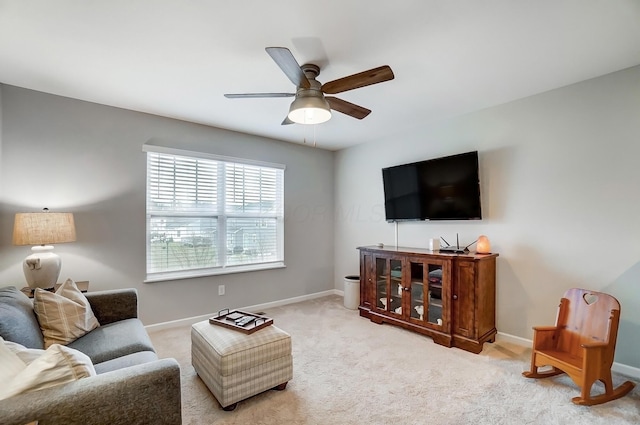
pixel 446 188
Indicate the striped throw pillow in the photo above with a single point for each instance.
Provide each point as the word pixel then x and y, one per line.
pixel 65 315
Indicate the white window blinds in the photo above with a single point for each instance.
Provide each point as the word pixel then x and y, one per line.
pixel 208 214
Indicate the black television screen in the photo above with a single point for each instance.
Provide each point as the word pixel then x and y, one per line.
pixel 446 188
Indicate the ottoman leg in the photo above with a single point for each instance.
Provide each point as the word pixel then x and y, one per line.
pixel 280 387
pixel 233 406
pixel 230 407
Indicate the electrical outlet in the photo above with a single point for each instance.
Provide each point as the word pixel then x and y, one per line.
pixel 220 289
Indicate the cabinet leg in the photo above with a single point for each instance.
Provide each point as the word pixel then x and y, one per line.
pixel 376 319
pixel 442 340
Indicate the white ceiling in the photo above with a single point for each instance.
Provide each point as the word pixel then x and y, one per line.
pixel 177 58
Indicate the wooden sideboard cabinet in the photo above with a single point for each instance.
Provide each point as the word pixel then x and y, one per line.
pixel 449 297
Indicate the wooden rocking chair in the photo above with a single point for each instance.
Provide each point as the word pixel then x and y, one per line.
pixel 582 344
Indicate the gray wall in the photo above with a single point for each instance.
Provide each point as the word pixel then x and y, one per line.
pixel 85 158
pixel 560 188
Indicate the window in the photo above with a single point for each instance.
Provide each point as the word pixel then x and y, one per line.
pixel 208 214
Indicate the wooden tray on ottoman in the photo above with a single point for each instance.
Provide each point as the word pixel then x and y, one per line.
pixel 228 319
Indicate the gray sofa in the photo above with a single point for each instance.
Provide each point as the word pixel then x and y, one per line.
pixel 132 385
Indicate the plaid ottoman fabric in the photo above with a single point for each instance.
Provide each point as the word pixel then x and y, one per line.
pixel 235 366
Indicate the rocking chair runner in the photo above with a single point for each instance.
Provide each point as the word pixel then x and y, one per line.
pixel 582 344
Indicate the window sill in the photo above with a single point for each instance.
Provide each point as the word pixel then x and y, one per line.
pixel 163 277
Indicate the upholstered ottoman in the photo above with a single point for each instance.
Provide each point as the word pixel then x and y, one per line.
pixel 235 366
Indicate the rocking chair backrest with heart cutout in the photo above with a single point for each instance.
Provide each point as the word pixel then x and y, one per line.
pixel 588 317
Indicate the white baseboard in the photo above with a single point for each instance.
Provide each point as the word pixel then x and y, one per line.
pixel 254 308
pixel 514 339
pixel 630 371
pixel 623 369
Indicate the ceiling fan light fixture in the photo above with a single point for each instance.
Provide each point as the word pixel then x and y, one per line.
pixel 309 110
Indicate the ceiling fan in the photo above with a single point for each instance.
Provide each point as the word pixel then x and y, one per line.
pixel 311 106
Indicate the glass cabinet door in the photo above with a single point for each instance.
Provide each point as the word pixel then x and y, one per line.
pixel 426 292
pixel 434 294
pixel 418 307
pixel 395 305
pixel 388 275
pixel 381 275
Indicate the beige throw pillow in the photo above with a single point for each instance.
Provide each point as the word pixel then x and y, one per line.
pixel 27 355
pixel 65 315
pixel 10 365
pixel 57 365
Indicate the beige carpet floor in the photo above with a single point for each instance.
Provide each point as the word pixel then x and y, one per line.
pixel 348 370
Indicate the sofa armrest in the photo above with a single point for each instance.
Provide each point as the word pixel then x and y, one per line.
pixel 143 394
pixel 114 305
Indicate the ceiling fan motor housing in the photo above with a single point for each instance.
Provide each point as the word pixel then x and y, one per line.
pixel 310 70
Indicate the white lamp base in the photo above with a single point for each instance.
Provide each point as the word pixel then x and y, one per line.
pixel 42 268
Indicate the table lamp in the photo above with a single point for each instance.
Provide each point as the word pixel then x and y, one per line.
pixel 483 246
pixel 42 267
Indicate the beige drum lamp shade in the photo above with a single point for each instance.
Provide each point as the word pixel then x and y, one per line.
pixel 42 230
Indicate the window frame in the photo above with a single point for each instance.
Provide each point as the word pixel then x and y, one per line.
pixel 221 216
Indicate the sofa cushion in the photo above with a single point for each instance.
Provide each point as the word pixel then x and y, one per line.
pixel 65 315
pixel 57 365
pixel 126 361
pixel 114 340
pixel 18 322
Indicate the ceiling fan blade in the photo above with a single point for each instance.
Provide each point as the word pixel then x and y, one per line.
pixel 347 108
pixel 285 60
pixel 287 121
pixel 245 95
pixel 361 79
